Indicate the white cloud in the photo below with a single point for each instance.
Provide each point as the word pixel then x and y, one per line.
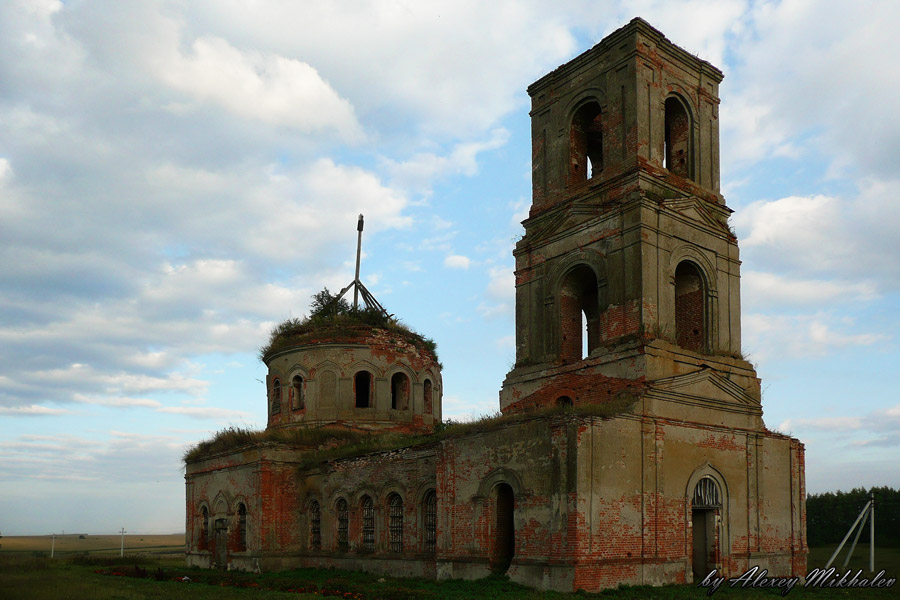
pixel 500 293
pixel 445 68
pixel 770 337
pixel 778 103
pixel 521 209
pixel 877 428
pixel 419 172
pixel 840 424
pixel 841 239
pixel 208 412
pixel 502 284
pixel 457 261
pixel 507 342
pixel 699 26
pixel 765 290
pixel 32 410
pixel 268 87
pixel 299 212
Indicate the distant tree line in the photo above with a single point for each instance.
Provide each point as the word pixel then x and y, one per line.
pixel 830 515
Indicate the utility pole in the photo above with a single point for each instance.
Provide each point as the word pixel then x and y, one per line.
pixel 359 229
pixel 122 549
pixel 868 512
pixel 872 534
pixel 52 544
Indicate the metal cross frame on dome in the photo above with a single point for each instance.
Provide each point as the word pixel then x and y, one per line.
pixel 357 285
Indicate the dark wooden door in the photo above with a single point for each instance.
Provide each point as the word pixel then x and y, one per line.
pixel 701 544
pixel 505 530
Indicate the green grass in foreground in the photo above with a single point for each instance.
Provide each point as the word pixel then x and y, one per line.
pixel 885 558
pixel 37 577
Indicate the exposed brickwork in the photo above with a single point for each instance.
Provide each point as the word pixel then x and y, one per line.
pixel 568 500
pixel 329 362
pixel 582 386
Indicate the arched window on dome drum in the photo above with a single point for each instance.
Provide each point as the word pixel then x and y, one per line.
pixel 430 522
pixel 297 389
pixel 343 525
pixel 428 393
pixel 315 526
pixel 368 524
pixel 395 524
pixel 276 396
pixel 399 391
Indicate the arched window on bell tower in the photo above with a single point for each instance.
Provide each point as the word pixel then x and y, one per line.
pixel 690 307
pixel 585 143
pixel 578 314
pixel 678 138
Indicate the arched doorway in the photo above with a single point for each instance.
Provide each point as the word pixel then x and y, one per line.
pixel 706 504
pixel 504 546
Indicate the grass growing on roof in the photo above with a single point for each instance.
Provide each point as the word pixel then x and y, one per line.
pixel 331 316
pixel 332 443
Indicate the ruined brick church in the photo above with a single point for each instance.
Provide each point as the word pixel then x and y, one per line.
pixel 631 449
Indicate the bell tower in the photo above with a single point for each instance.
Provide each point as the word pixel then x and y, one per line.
pixel 627 278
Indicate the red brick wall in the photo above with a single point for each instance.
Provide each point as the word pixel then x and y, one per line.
pixel 689 330
pixel 583 386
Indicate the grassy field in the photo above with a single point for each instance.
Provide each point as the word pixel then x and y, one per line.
pixel 885 558
pixel 33 576
pixel 75 543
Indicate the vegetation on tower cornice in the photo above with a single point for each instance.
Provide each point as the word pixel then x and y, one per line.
pixel 332 318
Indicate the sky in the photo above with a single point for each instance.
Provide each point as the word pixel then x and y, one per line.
pixel 178 177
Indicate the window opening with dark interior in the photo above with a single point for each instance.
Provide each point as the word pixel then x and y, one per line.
pixel 395 525
pixel 564 402
pixel 315 526
pixel 677 138
pixel 368 524
pixel 504 547
pixel 363 385
pixel 579 314
pixel 690 307
pixel 428 392
pixel 204 528
pixel 706 504
pixel 399 391
pixel 297 386
pixel 276 395
pixel 430 503
pixel 343 525
pixel 585 143
pixel 242 527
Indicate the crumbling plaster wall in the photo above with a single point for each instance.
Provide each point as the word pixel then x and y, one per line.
pixel 328 369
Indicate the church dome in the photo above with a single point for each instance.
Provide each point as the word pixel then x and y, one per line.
pixel 346 371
